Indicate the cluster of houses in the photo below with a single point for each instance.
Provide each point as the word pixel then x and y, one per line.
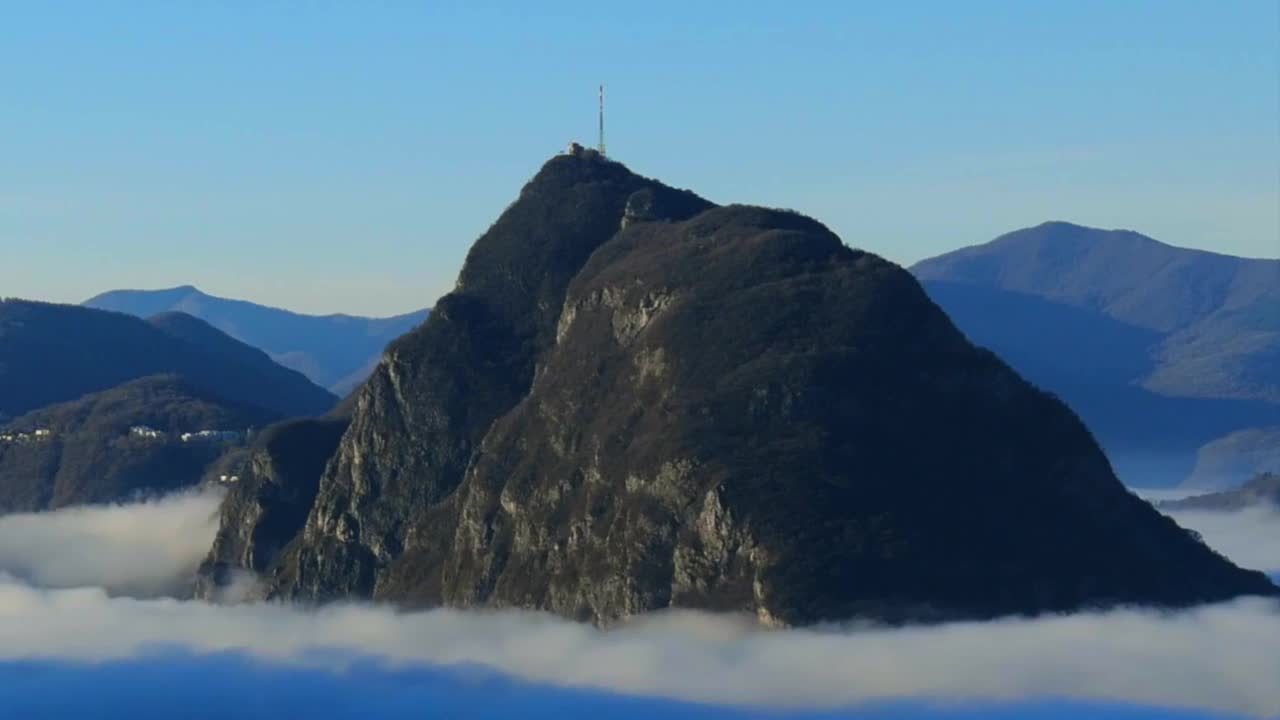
pixel 23 437
pixel 150 433
pixel 138 431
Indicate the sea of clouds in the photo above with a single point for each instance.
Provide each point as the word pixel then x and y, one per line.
pixel 83 604
pixel 144 549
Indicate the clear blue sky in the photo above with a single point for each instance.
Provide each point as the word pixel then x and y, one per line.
pixel 342 156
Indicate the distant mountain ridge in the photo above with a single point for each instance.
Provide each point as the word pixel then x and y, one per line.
pixel 56 353
pixel 1261 491
pixel 1160 349
pixel 1128 276
pixel 335 351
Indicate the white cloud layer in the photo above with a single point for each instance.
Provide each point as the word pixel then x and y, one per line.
pixel 143 549
pixel 1221 657
pixel 1250 537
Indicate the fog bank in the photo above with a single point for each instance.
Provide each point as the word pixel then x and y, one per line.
pixel 145 549
pixel 1132 656
pixel 63 604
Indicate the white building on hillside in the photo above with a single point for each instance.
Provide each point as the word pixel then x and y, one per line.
pixel 211 436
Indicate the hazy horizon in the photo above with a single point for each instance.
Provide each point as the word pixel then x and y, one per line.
pixel 364 150
pixel 161 286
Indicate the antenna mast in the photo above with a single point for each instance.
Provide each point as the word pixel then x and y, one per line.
pixel 601 146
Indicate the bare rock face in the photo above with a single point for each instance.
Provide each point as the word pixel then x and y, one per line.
pixel 271 488
pixel 635 400
pixel 421 416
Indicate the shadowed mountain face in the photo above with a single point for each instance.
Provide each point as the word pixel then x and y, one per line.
pixel 335 351
pixel 55 353
pixel 89 452
pixel 1160 349
pixel 278 477
pixel 634 400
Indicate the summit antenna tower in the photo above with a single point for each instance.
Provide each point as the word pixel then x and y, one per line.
pixel 600 147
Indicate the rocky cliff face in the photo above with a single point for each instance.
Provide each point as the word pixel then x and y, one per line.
pixel 423 412
pixel 635 400
pixel 275 485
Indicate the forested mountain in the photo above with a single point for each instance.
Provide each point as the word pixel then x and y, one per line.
pixel 120 443
pixel 54 353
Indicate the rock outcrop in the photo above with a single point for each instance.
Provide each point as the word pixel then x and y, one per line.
pixel 635 400
pixel 274 487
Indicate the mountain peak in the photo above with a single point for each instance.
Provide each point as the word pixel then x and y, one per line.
pixel 637 400
pixel 566 169
pixel 160 295
pixel 1123 272
pixel 1058 232
pixel 571 206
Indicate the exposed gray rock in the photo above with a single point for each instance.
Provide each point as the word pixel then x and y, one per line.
pixel 271 488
